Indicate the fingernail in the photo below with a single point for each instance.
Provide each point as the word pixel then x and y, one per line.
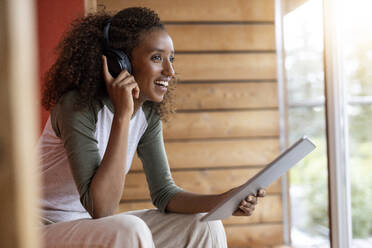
pixel 262 192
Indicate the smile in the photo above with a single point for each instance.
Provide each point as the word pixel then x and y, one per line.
pixel 162 83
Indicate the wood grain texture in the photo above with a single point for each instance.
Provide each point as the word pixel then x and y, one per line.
pixel 135 205
pixel 204 96
pixel 219 153
pixel 90 6
pixel 201 181
pixel 240 66
pixel 222 37
pixel 257 236
pixel 207 10
pixel 223 125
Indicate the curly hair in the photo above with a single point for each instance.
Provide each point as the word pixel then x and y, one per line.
pixel 79 65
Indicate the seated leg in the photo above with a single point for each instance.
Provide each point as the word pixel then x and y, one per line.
pixel 182 230
pixel 117 231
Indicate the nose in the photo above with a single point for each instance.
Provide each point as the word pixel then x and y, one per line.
pixel 168 69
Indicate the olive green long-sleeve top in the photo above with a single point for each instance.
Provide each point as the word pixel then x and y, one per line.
pixel 72 146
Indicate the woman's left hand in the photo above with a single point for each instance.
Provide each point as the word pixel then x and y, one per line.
pixel 248 205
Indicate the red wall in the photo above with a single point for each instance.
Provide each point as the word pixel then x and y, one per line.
pixel 53 17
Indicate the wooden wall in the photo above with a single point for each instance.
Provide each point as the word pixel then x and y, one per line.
pixel 227 124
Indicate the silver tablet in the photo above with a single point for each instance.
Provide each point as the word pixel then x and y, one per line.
pixel 262 179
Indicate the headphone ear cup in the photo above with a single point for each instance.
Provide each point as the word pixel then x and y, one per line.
pixel 112 63
pixel 117 61
pixel 124 61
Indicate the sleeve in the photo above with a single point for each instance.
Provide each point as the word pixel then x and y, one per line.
pixel 151 151
pixel 76 130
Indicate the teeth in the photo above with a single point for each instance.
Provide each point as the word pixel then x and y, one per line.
pixel 163 83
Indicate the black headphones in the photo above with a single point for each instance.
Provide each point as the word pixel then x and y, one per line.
pixel 117 60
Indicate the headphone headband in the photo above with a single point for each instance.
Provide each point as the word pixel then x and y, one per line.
pixel 106 33
pixel 117 59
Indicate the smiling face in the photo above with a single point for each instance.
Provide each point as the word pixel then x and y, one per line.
pixel 152 64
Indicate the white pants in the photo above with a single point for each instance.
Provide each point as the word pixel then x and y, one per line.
pixel 143 228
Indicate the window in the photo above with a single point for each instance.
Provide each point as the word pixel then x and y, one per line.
pixel 306 115
pixel 357 74
pixel 303 45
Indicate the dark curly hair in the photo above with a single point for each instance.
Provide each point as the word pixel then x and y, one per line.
pixel 79 65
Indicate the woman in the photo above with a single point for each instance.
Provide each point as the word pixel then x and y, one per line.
pixel 94 118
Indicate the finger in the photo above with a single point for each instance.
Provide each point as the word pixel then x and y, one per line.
pixel 251 199
pixel 127 84
pixel 124 81
pixel 136 92
pixel 246 204
pixel 261 193
pixel 123 75
pixel 246 211
pixel 106 74
pixel 239 212
pixel 132 88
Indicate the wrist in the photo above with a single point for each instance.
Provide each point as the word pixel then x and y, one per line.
pixel 122 118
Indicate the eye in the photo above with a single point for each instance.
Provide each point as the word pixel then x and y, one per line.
pixel 156 57
pixel 171 59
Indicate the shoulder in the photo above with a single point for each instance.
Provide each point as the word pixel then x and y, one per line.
pixel 152 116
pixel 154 127
pixel 65 112
pixel 68 104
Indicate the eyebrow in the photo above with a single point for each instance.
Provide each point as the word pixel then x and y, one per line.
pixel 160 50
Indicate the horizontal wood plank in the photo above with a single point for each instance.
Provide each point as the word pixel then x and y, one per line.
pixel 206 10
pixel 267 210
pixel 226 96
pixel 222 37
pixel 260 236
pixel 134 205
pixel 201 181
pixel 240 66
pixel 222 124
pixel 219 153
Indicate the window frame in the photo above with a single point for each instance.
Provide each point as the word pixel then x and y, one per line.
pixel 336 128
pixel 283 122
pixel 336 124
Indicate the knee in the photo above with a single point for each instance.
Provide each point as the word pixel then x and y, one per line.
pixel 129 224
pixel 122 221
pixel 216 232
pixel 130 230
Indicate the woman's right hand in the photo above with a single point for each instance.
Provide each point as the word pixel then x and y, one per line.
pixel 121 90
